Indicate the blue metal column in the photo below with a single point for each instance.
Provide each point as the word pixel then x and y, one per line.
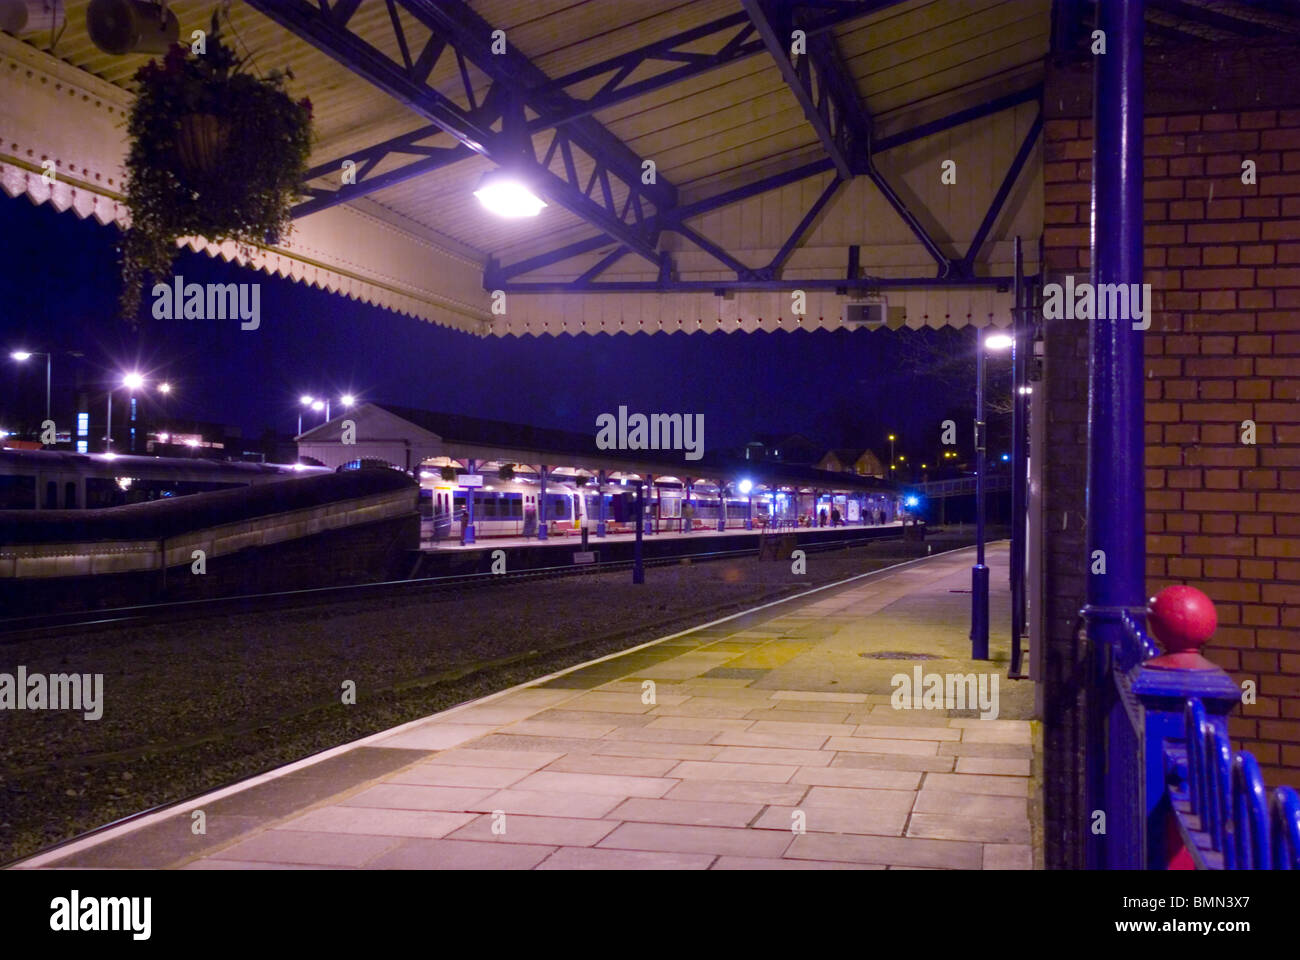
pixel 979 574
pixel 722 505
pixel 648 515
pixel 687 523
pixel 602 478
pixel 1116 482
pixel 638 571
pixel 541 503
pixel 1019 458
pixel 469 503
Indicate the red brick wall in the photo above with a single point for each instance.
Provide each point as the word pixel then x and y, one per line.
pixel 1224 346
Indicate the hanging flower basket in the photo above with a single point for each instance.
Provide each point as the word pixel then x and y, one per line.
pixel 201 143
pixel 215 152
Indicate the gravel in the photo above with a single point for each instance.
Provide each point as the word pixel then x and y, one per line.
pixel 192 706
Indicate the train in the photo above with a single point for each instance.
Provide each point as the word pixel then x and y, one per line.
pixel 509 508
pixel 62 480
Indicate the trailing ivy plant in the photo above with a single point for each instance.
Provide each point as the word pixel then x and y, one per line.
pixel 215 152
pixel 507 471
pixel 448 473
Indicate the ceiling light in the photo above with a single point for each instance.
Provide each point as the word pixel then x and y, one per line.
pixel 507 196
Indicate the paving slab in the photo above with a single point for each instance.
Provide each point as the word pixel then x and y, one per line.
pixel 773 743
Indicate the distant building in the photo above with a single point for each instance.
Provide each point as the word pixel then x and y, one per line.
pixel 793 448
pixel 169 437
pixel 864 463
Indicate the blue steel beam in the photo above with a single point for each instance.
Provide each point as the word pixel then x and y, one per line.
pixel 471 35
pixel 967 264
pixel 739 45
pixel 783 286
pixel 766 184
pixel 773 269
pixel 708 246
pixel 881 144
pixel 433 158
pixel 806 76
pixel 826 91
pixel 405 82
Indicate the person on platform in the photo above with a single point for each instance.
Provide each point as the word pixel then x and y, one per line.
pixel 464 524
pixel 835 516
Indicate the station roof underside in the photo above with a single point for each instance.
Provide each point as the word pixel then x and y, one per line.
pixel 430 435
pixel 773 172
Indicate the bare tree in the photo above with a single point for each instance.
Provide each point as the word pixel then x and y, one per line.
pixel 947 357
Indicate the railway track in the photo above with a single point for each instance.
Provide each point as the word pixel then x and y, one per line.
pixel 18 629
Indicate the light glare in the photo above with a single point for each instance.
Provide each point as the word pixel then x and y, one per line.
pixel 509 198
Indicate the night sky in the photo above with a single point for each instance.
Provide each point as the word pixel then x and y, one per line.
pixel 59 286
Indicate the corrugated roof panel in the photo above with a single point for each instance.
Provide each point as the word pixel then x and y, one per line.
pixel 718 128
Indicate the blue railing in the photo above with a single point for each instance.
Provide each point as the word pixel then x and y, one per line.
pixel 1176 795
pixel 1225 817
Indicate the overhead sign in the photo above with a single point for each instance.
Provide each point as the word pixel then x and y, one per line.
pixel 470 479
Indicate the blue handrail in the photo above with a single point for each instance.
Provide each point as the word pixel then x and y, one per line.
pixel 1286 829
pixel 1225 793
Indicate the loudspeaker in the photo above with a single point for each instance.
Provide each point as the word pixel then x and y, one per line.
pixel 30 16
pixel 131 26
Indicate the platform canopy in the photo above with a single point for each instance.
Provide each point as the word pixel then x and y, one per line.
pixel 701 161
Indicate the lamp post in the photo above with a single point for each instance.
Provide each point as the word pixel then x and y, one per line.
pixel 979 614
pixel 132 381
pixel 24 355
pixel 305 400
pixel 891 451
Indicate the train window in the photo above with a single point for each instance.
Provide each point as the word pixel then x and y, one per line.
pixel 103 492
pixel 70 495
pixel 51 495
pixel 18 493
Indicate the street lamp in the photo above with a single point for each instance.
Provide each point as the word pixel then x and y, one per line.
pixel 24 355
pixel 891 450
pixel 132 381
pixel 979 615
pixel 305 400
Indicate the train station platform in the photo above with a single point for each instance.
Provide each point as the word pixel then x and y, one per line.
pixel 773 739
pixel 573 538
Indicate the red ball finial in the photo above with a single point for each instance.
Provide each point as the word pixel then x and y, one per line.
pixel 1182 618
